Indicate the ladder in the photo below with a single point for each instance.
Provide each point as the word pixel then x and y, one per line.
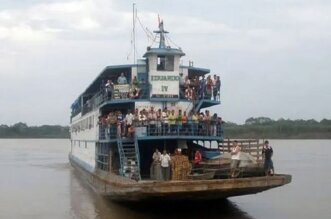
pixel 129 157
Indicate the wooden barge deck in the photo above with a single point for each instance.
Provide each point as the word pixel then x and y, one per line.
pixel 123 189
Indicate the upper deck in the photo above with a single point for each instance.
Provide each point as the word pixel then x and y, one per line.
pixel 156 82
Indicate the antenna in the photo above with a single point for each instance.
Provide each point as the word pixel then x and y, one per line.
pixel 134 32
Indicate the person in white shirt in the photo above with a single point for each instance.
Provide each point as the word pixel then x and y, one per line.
pixel 235 158
pixel 128 121
pixel 165 165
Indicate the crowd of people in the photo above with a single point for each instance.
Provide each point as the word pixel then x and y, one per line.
pixel 170 167
pixel 133 91
pixel 193 88
pixel 201 88
pixel 162 122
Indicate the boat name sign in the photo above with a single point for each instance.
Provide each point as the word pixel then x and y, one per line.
pixel 165 86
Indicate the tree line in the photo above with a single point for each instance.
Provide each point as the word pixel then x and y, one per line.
pixel 260 127
pixel 264 127
pixel 22 130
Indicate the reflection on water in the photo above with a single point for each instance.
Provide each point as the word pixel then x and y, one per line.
pixel 37 182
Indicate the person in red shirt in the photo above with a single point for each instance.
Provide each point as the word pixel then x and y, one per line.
pixel 197 157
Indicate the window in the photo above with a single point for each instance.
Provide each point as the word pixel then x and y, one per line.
pixel 165 63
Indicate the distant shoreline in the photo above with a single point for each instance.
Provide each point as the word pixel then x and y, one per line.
pixel 254 128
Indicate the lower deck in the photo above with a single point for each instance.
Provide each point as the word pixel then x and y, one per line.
pixel 122 188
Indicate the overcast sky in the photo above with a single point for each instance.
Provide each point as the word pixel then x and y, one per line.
pixel 274 57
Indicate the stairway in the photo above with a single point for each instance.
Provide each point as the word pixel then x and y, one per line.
pixel 198 105
pixel 129 157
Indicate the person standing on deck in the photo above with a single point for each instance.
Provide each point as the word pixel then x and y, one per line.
pixel 235 158
pixel 128 121
pixel 197 158
pixel 165 165
pixel 122 79
pixel 268 164
pixel 155 171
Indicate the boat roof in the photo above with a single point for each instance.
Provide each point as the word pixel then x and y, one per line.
pixel 164 51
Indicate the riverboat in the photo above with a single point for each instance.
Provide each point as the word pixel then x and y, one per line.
pixel 115 158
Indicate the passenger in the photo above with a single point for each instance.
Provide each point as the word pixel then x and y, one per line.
pixel 179 124
pixel 136 118
pixel 165 165
pixel 185 123
pixel 165 121
pixel 152 122
pixel 190 123
pixel 172 121
pixel 109 86
pixel 209 87
pixel 142 118
pixel 180 166
pixel 214 125
pixel 218 88
pixel 189 93
pixel 195 121
pixel 187 82
pixel 128 122
pixel 202 87
pixel 155 171
pixel 267 151
pixel 214 87
pixel 122 79
pixel 120 120
pixel 201 127
pixel 159 121
pixel 134 94
pixel 235 158
pixel 135 82
pixel 207 121
pixel 197 158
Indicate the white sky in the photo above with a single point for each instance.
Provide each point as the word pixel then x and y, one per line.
pixel 274 57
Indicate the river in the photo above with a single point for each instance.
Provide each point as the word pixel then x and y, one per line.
pixel 37 182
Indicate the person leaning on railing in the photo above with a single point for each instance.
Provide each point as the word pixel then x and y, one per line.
pixel 152 121
pixel 165 121
pixel 172 121
pixel 207 122
pixel 159 122
pixel 195 122
pixel 213 123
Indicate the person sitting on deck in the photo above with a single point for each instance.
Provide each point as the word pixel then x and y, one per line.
pixel 165 165
pixel 268 164
pixel 235 158
pixel 122 79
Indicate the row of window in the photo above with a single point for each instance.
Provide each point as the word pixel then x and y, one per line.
pixel 84 124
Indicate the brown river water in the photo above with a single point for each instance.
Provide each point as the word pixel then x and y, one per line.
pixel 37 182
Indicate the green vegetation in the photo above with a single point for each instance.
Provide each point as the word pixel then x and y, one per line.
pixel 263 127
pixel 21 130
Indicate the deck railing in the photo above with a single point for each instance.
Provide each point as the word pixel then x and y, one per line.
pixel 144 94
pixel 158 129
pixel 250 146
